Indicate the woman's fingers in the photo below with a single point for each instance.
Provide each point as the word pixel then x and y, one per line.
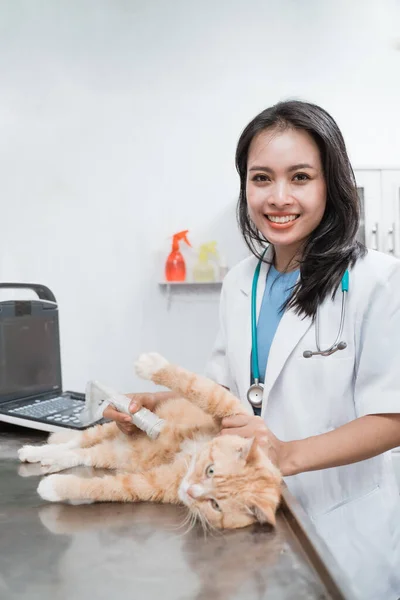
pixel 234 431
pixel 235 421
pixel 120 417
pixel 123 420
pixel 139 400
pixel 116 415
pixel 246 426
pixel 127 428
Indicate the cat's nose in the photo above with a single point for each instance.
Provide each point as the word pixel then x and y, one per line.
pixel 195 490
pixel 191 492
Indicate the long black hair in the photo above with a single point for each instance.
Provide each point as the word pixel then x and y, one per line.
pixel 332 247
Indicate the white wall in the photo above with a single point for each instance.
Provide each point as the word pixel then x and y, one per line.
pixel 119 121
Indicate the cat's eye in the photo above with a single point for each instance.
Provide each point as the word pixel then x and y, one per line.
pixel 210 471
pixel 215 504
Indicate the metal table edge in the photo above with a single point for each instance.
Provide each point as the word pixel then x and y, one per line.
pixel 317 552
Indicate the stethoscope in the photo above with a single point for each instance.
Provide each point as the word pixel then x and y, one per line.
pixel 256 390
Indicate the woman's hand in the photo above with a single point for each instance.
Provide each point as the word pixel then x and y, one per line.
pixel 248 426
pixel 123 421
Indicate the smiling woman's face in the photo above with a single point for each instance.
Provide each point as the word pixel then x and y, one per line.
pixel 285 188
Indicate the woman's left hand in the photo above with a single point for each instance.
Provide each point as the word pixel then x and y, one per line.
pixel 248 426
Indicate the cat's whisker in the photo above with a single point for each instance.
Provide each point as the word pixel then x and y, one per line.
pixel 213 531
pixel 187 522
pixel 191 524
pixel 183 523
pixel 204 524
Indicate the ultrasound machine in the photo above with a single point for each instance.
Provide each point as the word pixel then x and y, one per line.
pixel 31 393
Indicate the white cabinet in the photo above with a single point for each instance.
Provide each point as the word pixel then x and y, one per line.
pixel 391 211
pixel 379 193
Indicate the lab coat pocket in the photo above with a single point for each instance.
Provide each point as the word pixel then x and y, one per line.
pixel 326 382
pixel 351 512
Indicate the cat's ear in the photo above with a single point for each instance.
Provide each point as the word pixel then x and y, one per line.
pixel 263 511
pixel 249 451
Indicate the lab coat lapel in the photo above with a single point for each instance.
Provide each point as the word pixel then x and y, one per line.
pixel 290 331
pixel 244 375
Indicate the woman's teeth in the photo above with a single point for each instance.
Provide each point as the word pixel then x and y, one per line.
pixel 282 219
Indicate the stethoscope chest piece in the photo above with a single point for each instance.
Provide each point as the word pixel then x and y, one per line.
pixel 255 394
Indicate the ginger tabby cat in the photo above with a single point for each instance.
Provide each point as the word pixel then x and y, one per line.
pixel 226 482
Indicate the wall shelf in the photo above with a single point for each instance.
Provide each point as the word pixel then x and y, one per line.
pixel 191 286
pixel 189 283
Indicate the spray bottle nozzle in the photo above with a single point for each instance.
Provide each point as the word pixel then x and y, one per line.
pixel 177 237
pixel 206 249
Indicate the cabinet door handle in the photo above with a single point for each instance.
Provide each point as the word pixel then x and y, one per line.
pixel 391 239
pixel 375 241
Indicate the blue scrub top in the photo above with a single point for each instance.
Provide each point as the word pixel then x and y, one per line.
pixel 278 289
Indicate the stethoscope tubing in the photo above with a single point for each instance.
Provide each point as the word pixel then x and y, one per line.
pixel 337 345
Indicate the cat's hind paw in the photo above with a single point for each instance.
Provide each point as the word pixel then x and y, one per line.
pixel 148 365
pixel 47 488
pixel 62 488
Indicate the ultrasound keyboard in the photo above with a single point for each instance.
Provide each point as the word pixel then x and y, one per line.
pixel 62 410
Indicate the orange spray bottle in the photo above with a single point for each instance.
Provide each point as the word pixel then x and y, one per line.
pixel 175 268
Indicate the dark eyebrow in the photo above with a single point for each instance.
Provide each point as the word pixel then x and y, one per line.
pixel 292 168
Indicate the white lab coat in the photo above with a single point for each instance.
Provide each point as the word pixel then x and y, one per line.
pixel 306 397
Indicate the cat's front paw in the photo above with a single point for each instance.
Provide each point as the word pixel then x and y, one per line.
pixel 62 488
pixel 30 454
pixel 47 488
pixel 148 365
